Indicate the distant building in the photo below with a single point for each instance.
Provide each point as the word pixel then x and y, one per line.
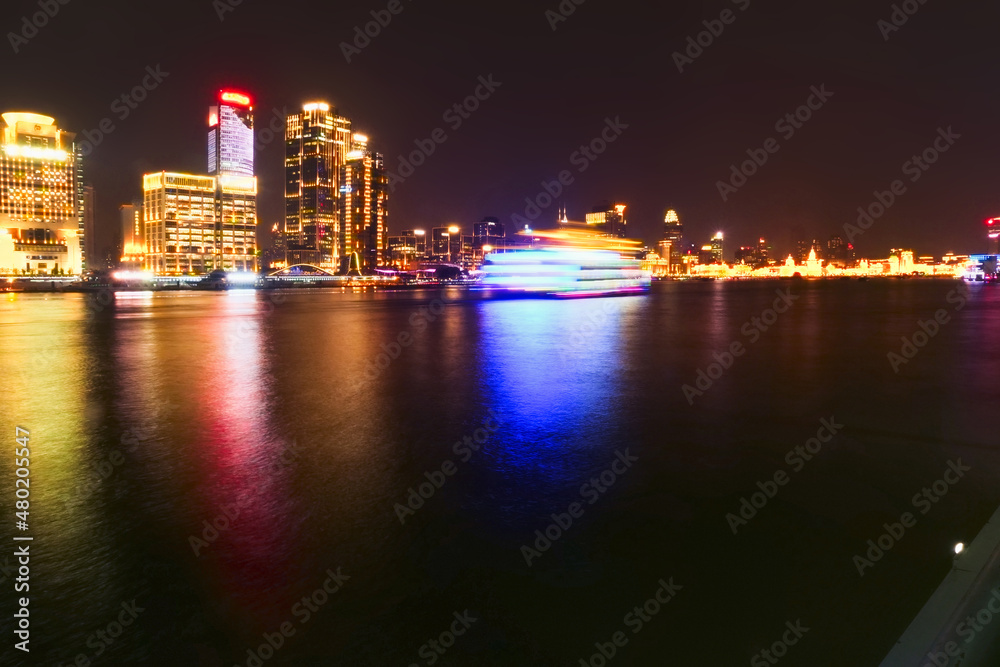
pixel 317 143
pixel 406 248
pixel 364 197
pixel 717 251
pixel 89 226
pixel 608 220
pixel 673 237
pixel 488 232
pixel 993 236
pixel 42 211
pixel 441 243
pixel 185 233
pixel 130 245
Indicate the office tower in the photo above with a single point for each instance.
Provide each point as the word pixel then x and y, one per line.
pixel 317 143
pixel 41 197
pixel 89 216
pixel 488 232
pixel 673 236
pixel 230 136
pixel 183 233
pixel 608 220
pixel 441 242
pixel 993 236
pixel 404 249
pixel 364 194
pixel 717 255
pixel 231 162
pixel 130 229
pixel 130 245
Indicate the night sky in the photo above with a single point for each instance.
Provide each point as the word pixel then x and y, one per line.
pixel 606 60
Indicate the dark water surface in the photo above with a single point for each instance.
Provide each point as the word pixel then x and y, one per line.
pixel 190 406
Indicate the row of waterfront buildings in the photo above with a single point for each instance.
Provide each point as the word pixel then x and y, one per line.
pixel 336 199
pixel 336 193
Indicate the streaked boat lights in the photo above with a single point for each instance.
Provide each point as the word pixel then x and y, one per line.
pixel 563 272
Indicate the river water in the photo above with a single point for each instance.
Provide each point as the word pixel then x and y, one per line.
pixel 202 462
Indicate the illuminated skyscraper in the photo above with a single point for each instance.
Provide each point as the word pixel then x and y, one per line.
pixel 130 245
pixel 317 142
pixel 718 256
pixel 608 220
pixel 230 161
pixel 364 197
pixel 230 135
pixel 41 197
pixel 673 235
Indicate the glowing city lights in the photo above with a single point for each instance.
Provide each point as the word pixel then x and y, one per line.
pixel 235 98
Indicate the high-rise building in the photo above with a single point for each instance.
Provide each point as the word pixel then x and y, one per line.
pixel 230 135
pixel 488 232
pixel 182 231
pixel 608 220
pixel 89 222
pixel 41 197
pixel 405 249
pixel 364 195
pixel 442 242
pixel 717 253
pixel 130 242
pixel 673 237
pixel 993 235
pixel 317 143
pixel 230 161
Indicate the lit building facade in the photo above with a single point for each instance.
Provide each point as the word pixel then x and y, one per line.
pixel 317 143
pixel 406 248
pixel 364 197
pixel 608 220
pixel 195 224
pixel 488 232
pixel 41 197
pixel 673 236
pixel 230 135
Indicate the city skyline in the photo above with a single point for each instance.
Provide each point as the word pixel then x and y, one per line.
pixel 673 153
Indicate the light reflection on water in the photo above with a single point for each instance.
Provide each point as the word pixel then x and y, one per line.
pixel 202 393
